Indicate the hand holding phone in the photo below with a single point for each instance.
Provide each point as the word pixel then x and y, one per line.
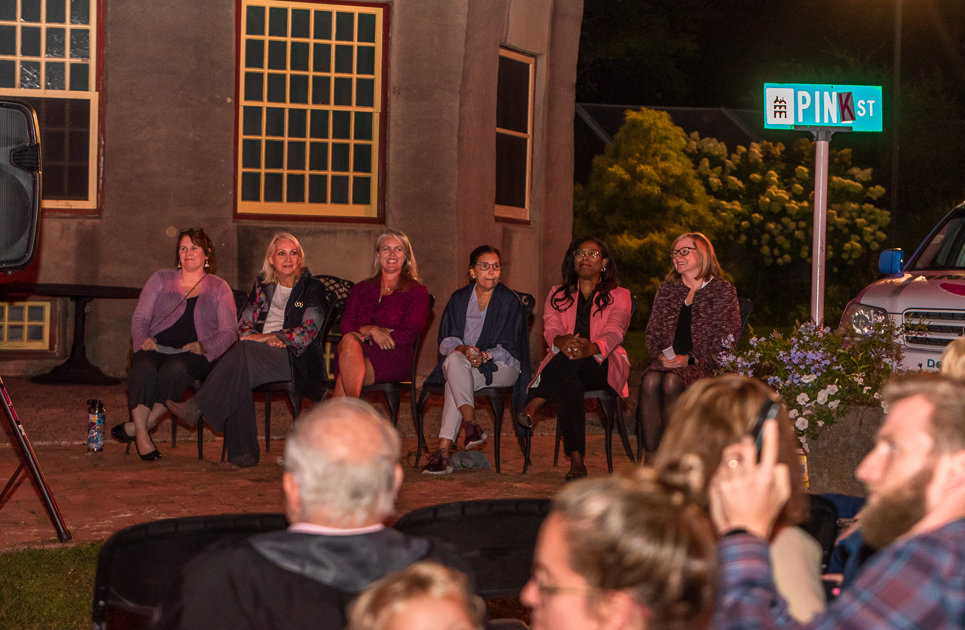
pixel 768 412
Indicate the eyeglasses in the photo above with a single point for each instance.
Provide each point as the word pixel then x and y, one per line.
pixel 592 254
pixel 683 252
pixel 485 266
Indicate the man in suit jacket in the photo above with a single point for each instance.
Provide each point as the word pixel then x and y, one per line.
pixel 341 478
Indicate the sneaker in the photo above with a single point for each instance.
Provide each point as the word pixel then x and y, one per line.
pixel 438 464
pixel 475 436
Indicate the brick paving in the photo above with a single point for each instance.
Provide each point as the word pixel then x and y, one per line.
pixel 99 493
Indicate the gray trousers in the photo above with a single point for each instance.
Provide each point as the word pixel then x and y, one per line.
pixel 461 381
pixel 226 401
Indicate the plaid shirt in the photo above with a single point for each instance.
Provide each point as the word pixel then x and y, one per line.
pixel 915 583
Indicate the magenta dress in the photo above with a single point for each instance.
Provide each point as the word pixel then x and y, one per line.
pixel 404 312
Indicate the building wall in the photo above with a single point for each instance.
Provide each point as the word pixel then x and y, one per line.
pixel 168 156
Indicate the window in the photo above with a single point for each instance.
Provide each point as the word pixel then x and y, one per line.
pixel 25 325
pixel 310 125
pixel 48 59
pixel 514 134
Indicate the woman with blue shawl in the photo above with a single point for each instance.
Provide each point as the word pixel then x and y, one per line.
pixel 483 342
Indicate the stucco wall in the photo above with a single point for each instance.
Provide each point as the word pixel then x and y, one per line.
pixel 168 151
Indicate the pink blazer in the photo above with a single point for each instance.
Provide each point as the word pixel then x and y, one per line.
pixel 607 329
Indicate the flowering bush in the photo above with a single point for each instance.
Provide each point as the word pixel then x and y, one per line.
pixel 820 374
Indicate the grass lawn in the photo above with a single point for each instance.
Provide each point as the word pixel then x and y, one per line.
pixel 48 588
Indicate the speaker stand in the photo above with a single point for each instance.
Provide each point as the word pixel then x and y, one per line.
pixel 29 460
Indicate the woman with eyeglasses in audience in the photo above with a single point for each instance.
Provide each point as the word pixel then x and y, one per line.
pixel 695 317
pixel 626 552
pixel 184 320
pixel 585 319
pixel 384 317
pixel 483 342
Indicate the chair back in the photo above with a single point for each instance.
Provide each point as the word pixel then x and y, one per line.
pixel 336 290
pixel 495 537
pixel 529 304
pixel 745 306
pixel 822 524
pixel 137 565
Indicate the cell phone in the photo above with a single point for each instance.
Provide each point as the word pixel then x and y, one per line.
pixel 668 353
pixel 768 412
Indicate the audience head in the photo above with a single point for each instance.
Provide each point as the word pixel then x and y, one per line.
pixel 915 474
pixel 342 465
pixel 714 413
pixel 695 244
pixel 626 551
pixel 425 596
pixel 953 359
pixel 202 240
pixel 389 245
pixel 269 274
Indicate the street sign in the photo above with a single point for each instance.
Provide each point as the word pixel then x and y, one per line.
pixel 845 107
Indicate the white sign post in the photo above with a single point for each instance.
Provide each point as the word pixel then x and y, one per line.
pixel 822 110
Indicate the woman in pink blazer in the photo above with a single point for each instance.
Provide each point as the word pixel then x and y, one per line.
pixel 584 321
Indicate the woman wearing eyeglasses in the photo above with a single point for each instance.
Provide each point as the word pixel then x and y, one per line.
pixel 694 314
pixel 585 319
pixel 184 320
pixel 483 342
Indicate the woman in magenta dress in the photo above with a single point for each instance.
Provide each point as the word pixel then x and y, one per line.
pixel 383 318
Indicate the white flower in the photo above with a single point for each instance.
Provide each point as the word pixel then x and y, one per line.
pixel 820 423
pixel 833 404
pixel 832 389
pixel 802 399
pixel 809 378
pixel 877 396
pixel 857 378
pixel 793 413
pixel 801 424
pixel 822 397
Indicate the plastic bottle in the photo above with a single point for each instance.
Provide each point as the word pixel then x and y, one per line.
pixel 95 425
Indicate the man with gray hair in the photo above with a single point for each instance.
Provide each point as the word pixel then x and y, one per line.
pixel 341 478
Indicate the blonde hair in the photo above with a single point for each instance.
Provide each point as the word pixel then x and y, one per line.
pixel 410 269
pixel 714 413
pixel 708 267
pixel 640 532
pixel 374 608
pixel 953 359
pixel 268 275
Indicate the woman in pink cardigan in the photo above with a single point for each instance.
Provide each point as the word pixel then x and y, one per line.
pixel 695 317
pixel 584 321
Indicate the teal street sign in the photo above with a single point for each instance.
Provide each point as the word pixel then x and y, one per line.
pixel 796 106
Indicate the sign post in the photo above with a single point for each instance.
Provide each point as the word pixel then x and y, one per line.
pixel 822 110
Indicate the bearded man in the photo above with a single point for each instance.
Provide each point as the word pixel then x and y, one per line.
pixel 915 516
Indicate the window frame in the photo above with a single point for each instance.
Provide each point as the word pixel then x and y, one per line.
pixel 306 210
pixel 521 214
pixel 90 205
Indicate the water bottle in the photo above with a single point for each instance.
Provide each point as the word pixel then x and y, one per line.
pixel 95 425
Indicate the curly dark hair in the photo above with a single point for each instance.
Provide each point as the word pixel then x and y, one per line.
pixel 563 296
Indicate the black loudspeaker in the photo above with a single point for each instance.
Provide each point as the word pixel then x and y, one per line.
pixel 19 184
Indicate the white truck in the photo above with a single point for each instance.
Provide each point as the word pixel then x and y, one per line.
pixel 925 296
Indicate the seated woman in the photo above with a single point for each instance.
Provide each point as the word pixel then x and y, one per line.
pixel 483 342
pixel 713 414
pixel 184 320
pixel 694 313
pixel 383 318
pixel 584 321
pixel 625 552
pixel 279 341
pixel 425 596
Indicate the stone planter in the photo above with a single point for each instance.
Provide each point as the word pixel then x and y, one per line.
pixel 836 453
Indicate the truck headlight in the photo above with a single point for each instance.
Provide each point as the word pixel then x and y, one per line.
pixel 861 318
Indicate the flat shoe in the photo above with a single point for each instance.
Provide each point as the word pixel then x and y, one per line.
pixel 573 475
pixel 186 411
pixel 524 420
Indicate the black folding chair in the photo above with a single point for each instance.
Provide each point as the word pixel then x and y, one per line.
pixel 137 565
pixel 495 537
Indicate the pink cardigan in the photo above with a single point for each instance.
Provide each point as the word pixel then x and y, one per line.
pixel 607 330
